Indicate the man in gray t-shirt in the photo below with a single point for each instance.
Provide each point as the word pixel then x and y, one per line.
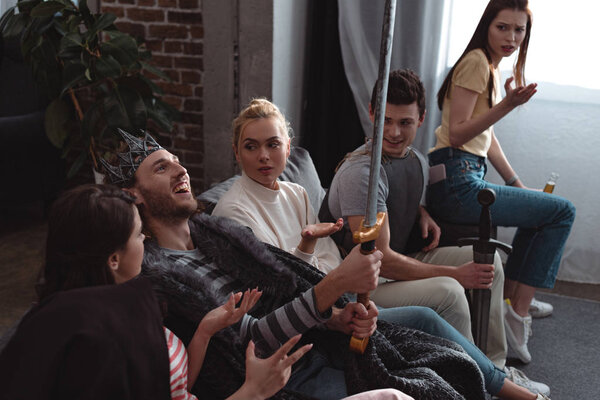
pixel 432 277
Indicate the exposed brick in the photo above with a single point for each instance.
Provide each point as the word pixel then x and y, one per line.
pixel 118 11
pixel 146 3
pixel 176 88
pixel 194 49
pixel 173 47
pixel 167 3
pixel 168 31
pixel 105 1
pixel 188 144
pixel 174 101
pixel 194 131
pixel 198 92
pixel 145 14
pixel 154 45
pixel 193 157
pixel 190 77
pixel 192 105
pixel 173 74
pixel 164 140
pixel 188 62
pixel 189 4
pixel 197 32
pixel 179 17
pixel 125 1
pixel 195 171
pixel 162 61
pixel 137 30
pixel 192 118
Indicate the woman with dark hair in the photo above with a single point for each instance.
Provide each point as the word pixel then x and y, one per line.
pixel 90 338
pixel 471 104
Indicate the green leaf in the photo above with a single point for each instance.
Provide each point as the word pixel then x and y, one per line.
pixel 56 118
pixel 15 24
pixel 155 71
pixel 153 86
pixel 107 66
pixel 77 164
pixel 71 39
pixel 85 12
pixel 47 8
pixel 124 107
pixel 91 122
pixel 26 6
pixel 122 47
pixel 103 21
pixel 73 73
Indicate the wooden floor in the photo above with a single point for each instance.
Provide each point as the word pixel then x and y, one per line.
pixel 22 239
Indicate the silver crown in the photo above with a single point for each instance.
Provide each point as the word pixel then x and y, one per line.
pixel 139 148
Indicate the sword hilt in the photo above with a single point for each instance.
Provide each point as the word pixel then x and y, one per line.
pixel 366 236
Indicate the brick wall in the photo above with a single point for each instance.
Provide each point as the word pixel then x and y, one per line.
pixel 173 31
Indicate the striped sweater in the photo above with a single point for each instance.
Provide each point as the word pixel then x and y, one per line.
pixel 268 332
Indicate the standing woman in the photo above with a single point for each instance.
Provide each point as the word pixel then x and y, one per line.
pixel 471 104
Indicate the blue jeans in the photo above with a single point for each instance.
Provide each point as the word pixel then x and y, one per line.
pixel 543 220
pixel 426 320
pixel 323 377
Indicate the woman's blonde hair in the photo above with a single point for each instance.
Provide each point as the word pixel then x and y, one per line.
pixel 255 110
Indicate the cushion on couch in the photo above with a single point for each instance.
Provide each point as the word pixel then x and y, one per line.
pixel 299 169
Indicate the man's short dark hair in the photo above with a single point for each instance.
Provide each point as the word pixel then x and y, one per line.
pixel 404 87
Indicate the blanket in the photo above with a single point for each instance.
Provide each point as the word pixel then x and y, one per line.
pixel 414 362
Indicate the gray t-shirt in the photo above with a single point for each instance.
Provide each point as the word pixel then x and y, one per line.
pixel 400 191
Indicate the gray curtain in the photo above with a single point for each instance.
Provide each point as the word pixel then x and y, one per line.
pixel 420 43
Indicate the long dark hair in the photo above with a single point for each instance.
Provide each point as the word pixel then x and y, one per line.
pixel 85 226
pixel 479 41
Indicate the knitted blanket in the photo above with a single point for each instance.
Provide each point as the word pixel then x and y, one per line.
pixel 416 363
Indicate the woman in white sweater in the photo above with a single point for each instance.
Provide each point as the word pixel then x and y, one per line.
pixel 279 213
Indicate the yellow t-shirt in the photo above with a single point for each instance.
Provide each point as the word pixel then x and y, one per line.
pixel 473 73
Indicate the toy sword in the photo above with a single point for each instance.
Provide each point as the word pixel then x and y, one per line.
pixel 371 224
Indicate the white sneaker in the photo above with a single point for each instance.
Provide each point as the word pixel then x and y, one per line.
pixel 540 309
pixel 519 378
pixel 517 332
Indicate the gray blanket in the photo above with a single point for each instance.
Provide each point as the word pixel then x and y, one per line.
pixel 416 363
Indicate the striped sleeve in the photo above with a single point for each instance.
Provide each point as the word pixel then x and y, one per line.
pixel 277 327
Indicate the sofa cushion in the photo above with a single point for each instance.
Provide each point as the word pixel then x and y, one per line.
pixel 299 169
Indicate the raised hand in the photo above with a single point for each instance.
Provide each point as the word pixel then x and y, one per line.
pixel 322 229
pixel 227 314
pixel 265 377
pixel 519 95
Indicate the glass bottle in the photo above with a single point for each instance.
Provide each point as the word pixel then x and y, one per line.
pixel 549 188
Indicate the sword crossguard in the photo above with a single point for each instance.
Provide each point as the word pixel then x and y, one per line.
pixel 368 233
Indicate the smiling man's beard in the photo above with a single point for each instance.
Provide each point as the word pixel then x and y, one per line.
pixel 164 208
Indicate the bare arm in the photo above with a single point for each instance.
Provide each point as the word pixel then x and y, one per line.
pixel 463 127
pixel 500 162
pixel 399 267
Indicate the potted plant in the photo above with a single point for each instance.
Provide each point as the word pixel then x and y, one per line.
pixel 93 74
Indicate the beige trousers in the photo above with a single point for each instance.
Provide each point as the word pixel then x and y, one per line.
pixel 447 297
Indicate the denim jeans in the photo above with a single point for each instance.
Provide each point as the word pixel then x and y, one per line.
pixel 323 377
pixel 426 320
pixel 543 220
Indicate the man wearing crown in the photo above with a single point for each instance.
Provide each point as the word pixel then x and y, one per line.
pixel 194 261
